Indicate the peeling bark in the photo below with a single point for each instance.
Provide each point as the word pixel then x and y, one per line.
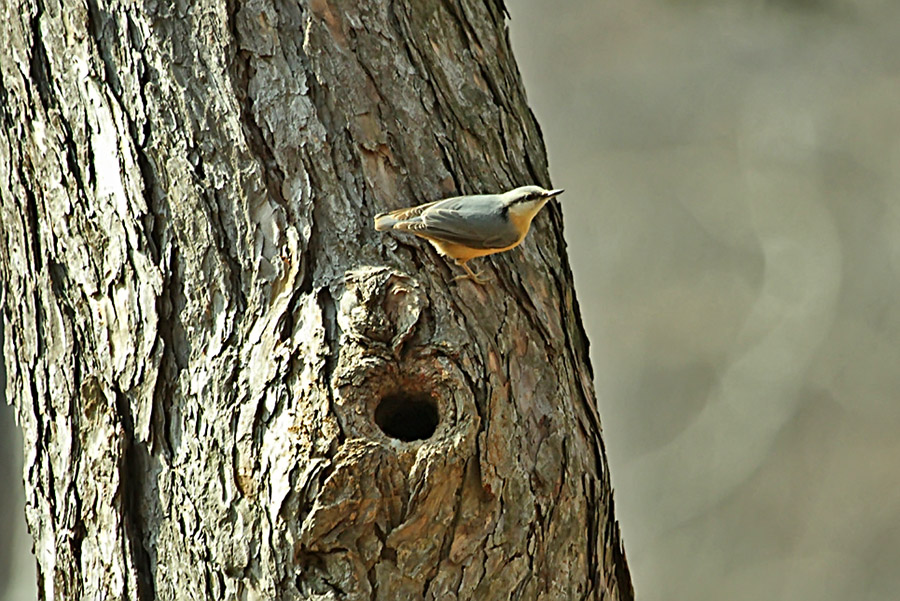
pixel 231 386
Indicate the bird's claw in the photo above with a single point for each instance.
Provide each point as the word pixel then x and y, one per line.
pixel 478 278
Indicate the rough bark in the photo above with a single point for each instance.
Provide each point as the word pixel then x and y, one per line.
pixel 217 363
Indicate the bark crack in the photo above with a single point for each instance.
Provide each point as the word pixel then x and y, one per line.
pixel 593 568
pixel 332 337
pixel 40 65
pixel 131 488
pixel 33 227
pixel 241 72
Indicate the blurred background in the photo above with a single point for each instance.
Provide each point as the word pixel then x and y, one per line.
pixel 732 211
pixel 732 205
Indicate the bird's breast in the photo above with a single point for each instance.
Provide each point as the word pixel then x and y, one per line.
pixel 464 253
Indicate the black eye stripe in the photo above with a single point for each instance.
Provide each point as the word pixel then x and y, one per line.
pixel 529 197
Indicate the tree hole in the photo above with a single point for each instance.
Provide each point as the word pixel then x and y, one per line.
pixel 407 417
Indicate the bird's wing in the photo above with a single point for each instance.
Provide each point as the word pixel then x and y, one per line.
pixel 460 223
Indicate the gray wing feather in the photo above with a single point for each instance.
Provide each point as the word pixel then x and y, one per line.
pixel 474 222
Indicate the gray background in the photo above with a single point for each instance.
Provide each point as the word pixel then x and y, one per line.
pixel 733 216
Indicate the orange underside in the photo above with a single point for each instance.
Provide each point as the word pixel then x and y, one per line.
pixel 462 253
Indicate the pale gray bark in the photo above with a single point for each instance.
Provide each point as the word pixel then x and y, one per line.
pixel 201 323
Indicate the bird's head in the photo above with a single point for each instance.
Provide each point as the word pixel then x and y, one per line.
pixel 528 200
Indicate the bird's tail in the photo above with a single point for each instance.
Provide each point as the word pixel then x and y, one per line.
pixel 385 221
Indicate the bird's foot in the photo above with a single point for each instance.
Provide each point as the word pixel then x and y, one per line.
pixel 478 278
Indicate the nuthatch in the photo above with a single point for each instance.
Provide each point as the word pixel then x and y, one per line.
pixel 465 227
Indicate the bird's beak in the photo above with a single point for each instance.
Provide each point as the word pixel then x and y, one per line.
pixel 552 193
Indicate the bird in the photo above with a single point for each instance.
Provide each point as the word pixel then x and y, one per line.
pixel 465 227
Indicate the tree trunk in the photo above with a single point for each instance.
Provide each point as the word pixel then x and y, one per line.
pixel 230 385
